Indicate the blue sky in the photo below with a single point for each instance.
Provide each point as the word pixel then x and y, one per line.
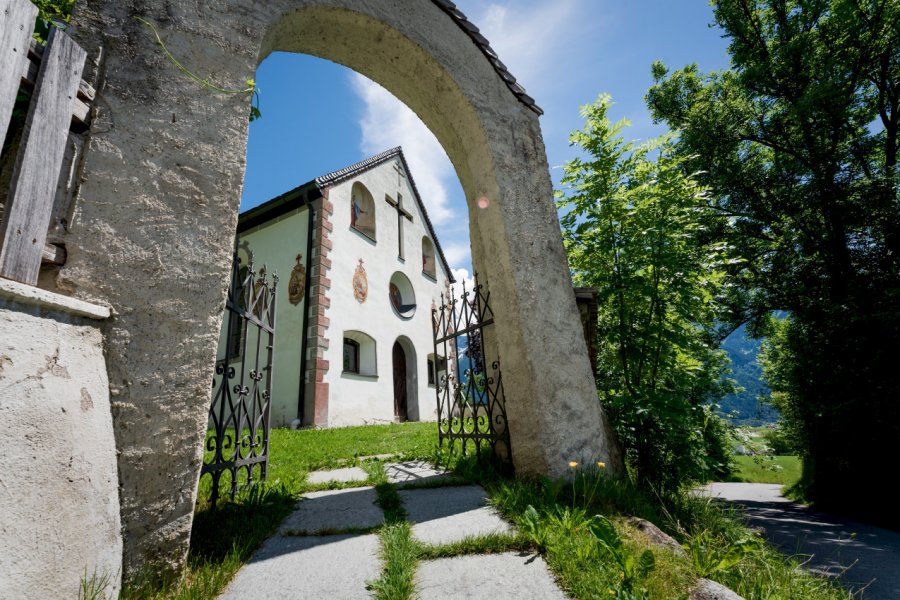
pixel 319 116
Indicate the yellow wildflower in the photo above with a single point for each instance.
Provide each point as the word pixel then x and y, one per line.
pixel 573 464
pixel 601 464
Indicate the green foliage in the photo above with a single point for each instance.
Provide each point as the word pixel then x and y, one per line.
pixel 631 568
pixel 94 587
pixel 711 555
pixel 50 13
pixel 798 144
pixel 780 442
pixel 637 229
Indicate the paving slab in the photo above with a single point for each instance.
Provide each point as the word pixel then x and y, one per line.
pixel 413 471
pixel 488 576
pixel 341 475
pixel 449 514
pixel 288 568
pixel 334 510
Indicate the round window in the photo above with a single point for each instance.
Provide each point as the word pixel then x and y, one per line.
pixel 401 295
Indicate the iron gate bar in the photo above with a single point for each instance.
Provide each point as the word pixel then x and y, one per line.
pixel 243 406
pixel 471 410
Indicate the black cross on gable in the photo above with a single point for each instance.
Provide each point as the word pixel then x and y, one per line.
pixel 401 212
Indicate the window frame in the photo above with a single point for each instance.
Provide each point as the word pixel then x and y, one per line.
pixel 354 345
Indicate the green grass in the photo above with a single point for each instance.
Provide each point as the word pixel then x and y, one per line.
pixel 785 470
pixel 558 525
pixel 295 452
pixel 222 540
pixel 399 553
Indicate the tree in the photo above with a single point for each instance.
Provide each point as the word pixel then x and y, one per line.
pixel 634 231
pixel 798 144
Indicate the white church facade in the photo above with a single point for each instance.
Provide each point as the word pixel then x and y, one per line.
pixel 360 268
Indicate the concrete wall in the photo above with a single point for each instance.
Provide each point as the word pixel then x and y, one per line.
pixel 58 483
pixel 354 399
pixel 157 208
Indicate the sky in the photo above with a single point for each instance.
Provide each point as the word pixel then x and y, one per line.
pixel 318 116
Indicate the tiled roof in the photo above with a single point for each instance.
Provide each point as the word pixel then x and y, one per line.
pixel 340 175
pixel 473 32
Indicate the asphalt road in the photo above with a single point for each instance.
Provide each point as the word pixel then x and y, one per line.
pixel 862 557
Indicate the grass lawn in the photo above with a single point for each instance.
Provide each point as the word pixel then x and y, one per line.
pixel 294 453
pixel 591 556
pixel 785 470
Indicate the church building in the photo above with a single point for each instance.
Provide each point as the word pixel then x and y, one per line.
pixel 359 268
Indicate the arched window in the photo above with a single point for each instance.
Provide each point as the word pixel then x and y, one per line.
pixel 359 354
pixel 428 264
pixel 362 210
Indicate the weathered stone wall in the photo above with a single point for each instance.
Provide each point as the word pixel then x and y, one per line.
pixel 59 519
pixel 157 209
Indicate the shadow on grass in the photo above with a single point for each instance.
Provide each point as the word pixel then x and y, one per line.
pixel 222 540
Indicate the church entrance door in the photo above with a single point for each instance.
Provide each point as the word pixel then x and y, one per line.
pixel 400 413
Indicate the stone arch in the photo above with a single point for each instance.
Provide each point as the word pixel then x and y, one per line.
pixel 159 197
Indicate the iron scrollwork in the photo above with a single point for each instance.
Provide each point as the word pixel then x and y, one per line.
pixel 471 405
pixel 237 440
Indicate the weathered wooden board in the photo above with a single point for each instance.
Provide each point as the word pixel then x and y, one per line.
pixel 16 24
pixel 24 227
pixel 86 92
pixel 53 254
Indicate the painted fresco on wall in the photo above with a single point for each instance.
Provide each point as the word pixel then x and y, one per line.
pixel 360 283
pixel 297 283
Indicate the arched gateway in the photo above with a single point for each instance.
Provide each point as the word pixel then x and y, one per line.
pixel 159 201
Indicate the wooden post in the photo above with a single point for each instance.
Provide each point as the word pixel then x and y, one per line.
pixel 16 24
pixel 23 230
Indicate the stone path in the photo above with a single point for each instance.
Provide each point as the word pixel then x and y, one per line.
pixel 866 555
pixel 326 548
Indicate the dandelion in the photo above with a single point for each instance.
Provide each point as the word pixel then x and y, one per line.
pixel 601 464
pixel 573 464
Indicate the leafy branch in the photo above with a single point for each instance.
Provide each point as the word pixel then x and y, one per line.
pixel 205 82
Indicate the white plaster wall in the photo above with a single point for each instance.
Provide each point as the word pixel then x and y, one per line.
pixel 59 497
pixel 356 400
pixel 276 245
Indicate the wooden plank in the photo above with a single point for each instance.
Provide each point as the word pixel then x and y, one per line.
pixel 16 24
pixel 80 110
pixel 53 254
pixel 86 91
pixel 24 226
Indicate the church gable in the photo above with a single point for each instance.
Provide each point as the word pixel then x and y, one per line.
pixel 382 202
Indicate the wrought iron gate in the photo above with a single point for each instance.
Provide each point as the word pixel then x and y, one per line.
pixel 237 442
pixel 470 400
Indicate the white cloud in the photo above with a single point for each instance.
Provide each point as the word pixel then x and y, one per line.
pixel 534 40
pixel 387 122
pixel 457 254
pixel 462 276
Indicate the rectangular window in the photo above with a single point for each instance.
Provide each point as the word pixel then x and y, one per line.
pixel 431 372
pixel 351 356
